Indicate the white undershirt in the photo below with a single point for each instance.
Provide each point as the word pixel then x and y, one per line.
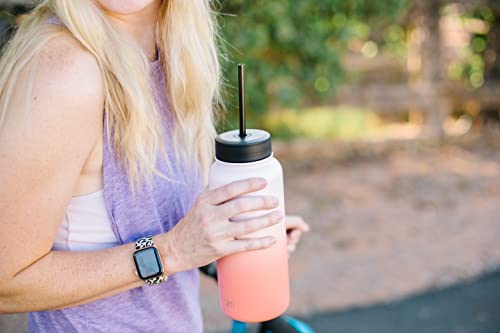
pixel 86 225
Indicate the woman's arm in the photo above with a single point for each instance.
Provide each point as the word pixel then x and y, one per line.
pixel 42 152
pixel 43 148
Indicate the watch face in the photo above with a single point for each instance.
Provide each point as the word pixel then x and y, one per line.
pixel 148 264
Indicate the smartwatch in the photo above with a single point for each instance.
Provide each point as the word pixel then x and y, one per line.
pixel 147 261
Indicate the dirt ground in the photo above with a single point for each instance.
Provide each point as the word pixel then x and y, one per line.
pixel 388 220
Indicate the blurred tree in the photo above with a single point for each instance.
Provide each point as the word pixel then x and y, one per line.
pixel 481 43
pixel 292 49
pixel 492 53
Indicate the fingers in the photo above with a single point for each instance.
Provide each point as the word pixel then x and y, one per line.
pixel 294 236
pixel 234 189
pixel 247 204
pixel 296 222
pixel 292 240
pixel 295 226
pixel 241 228
pixel 250 244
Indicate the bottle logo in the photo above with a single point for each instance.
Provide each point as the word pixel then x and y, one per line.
pixel 228 304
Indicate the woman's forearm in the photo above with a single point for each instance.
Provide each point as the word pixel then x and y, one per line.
pixel 63 279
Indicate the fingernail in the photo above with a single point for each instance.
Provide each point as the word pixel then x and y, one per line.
pixel 262 180
pixel 275 201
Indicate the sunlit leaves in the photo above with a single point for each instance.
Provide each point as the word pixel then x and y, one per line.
pixel 292 49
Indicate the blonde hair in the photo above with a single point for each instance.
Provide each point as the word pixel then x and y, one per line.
pixel 186 40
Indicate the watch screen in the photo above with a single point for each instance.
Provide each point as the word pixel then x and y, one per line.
pixel 147 262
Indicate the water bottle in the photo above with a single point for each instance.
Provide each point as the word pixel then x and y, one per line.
pixel 253 285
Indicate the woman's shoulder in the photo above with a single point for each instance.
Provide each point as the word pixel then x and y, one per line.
pixel 66 65
pixel 59 92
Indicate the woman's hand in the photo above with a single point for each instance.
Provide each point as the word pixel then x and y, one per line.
pixel 206 234
pixel 295 227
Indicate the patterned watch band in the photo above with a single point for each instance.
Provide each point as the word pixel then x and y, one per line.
pixel 143 243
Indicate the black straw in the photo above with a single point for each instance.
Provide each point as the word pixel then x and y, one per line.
pixel 241 90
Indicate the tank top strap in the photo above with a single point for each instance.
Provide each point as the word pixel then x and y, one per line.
pixel 53 20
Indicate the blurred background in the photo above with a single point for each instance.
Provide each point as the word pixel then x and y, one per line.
pixel 386 118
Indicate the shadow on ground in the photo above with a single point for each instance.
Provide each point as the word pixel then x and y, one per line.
pixel 473 307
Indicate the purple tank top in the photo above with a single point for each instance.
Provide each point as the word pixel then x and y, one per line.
pixel 172 306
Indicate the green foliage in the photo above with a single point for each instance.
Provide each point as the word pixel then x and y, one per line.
pixel 5 21
pixel 292 49
pixel 322 122
pixel 395 39
pixel 471 68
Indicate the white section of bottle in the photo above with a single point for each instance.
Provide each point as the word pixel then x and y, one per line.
pixel 222 173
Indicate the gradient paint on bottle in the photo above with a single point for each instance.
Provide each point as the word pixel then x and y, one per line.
pixel 253 285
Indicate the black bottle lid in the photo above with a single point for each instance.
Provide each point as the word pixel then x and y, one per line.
pixel 255 146
pixel 243 145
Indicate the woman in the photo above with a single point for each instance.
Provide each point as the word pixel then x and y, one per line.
pixel 107 126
